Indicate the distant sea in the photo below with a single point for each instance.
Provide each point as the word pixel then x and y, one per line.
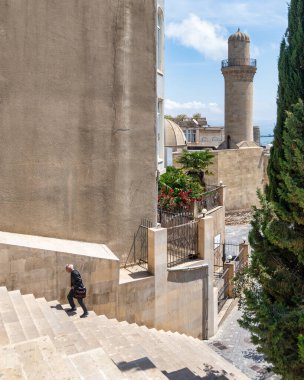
pixel 266 140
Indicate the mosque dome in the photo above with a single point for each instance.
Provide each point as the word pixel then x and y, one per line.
pixel 239 36
pixel 174 136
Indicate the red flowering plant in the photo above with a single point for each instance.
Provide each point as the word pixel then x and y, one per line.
pixel 177 190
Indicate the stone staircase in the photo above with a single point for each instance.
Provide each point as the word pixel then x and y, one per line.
pixel 39 340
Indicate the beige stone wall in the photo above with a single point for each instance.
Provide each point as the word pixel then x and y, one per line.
pixel 41 271
pixel 77 108
pixel 242 171
pixel 136 302
pixel 218 220
pixel 174 303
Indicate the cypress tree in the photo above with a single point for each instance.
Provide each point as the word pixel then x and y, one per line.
pixel 271 289
pixel 291 85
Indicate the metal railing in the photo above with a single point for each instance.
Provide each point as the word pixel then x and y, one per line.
pixel 138 254
pixel 173 218
pixel 210 199
pixel 182 243
pixel 230 251
pixel 239 62
pixel 239 262
pixel 182 235
pixel 223 283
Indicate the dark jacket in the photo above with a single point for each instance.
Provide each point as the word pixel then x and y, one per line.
pixel 76 280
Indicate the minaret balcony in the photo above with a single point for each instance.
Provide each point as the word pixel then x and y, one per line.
pixel 239 62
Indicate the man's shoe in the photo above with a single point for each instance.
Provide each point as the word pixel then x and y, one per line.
pixel 73 309
pixel 84 315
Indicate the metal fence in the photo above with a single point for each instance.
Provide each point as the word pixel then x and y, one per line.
pixel 239 62
pixel 223 285
pixel 182 235
pixel 210 199
pixel 173 218
pixel 239 261
pixel 219 259
pixel 182 243
pixel 138 254
pixel 230 251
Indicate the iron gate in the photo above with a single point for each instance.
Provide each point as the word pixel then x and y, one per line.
pixel 182 243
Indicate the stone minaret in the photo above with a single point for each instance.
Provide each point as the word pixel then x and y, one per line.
pixel 238 71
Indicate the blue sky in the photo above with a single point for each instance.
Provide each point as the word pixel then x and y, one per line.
pixel 196 42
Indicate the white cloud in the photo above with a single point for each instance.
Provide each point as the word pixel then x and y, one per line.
pixel 255 51
pixel 236 13
pixel 207 38
pixel 192 106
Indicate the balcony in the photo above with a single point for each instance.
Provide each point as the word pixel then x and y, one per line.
pixel 239 62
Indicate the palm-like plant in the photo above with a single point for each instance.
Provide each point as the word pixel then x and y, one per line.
pixel 196 164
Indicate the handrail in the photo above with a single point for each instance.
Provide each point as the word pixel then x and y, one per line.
pixel 239 62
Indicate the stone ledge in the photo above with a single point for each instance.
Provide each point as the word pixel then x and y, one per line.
pixel 100 251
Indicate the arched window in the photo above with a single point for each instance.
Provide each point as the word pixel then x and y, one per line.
pixel 160 39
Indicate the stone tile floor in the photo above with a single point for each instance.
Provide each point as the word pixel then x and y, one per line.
pixel 233 342
pixel 235 234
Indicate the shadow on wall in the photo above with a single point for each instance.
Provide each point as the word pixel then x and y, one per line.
pixel 187 276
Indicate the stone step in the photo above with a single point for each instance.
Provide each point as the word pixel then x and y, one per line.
pixel 77 314
pixel 65 335
pixel 10 366
pixel 201 357
pixel 29 328
pixel 172 346
pixel 9 318
pixel 147 348
pixel 96 347
pixel 129 356
pixel 42 324
pixel 35 359
pixel 95 364
pixel 160 354
pixel 4 339
pixel 58 324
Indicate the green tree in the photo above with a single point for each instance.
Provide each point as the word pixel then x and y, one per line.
pixel 197 116
pixel 196 164
pixel 291 85
pixel 180 117
pixel 169 117
pixel 271 289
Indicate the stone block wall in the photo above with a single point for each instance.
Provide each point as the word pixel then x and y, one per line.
pixel 33 265
pixel 242 171
pixel 136 302
pixel 78 115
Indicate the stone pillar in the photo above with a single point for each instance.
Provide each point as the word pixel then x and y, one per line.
pixel 157 265
pixel 194 209
pixel 206 252
pixel 245 248
pixel 229 277
pixel 222 191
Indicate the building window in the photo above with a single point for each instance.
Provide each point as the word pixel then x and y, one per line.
pixel 191 135
pixel 160 39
